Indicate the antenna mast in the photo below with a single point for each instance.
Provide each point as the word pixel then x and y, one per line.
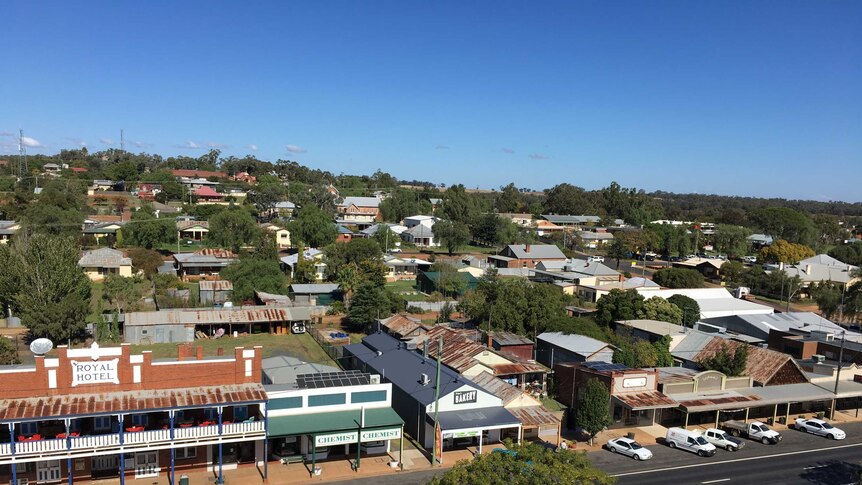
pixel 122 141
pixel 22 155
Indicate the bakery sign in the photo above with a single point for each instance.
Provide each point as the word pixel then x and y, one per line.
pixel 95 372
pixel 465 397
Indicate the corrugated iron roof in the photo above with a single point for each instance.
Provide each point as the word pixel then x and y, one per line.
pixel 535 416
pixel 458 352
pixel 498 387
pixel 216 285
pixel 128 401
pixel 509 338
pixel 518 368
pixel 249 314
pixel 761 364
pixel 645 400
pixel 401 325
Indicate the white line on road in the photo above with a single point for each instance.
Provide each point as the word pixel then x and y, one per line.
pixel 820 450
pixel 716 481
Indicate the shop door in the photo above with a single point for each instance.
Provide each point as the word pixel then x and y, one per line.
pixel 47 471
pixel 146 464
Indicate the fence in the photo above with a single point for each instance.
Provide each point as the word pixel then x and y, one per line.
pixel 332 348
pixel 431 306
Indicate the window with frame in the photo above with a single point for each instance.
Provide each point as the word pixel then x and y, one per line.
pixel 140 419
pixel 102 423
pixel 211 414
pixel 29 428
pixel 326 400
pixel 240 413
pixel 179 416
pixel 186 453
pixel 367 396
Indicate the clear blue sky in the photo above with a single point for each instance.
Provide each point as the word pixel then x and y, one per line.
pixel 753 98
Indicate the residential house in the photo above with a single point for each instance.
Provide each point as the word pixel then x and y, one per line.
pixel 435 203
pixel 214 292
pixel 206 195
pixel 713 302
pixel 587 278
pixel 652 330
pixel 281 235
pixel 359 211
pixel 147 191
pixel 572 221
pixel 471 358
pixel 344 235
pixel 203 264
pixel 553 348
pixel 413 221
pixel 511 343
pixel 245 177
pixel 99 263
pixel 519 219
pixel 538 423
pixel 102 230
pixel 420 235
pixel 100 186
pixel 271 299
pixel 765 367
pixel 592 293
pixel 819 269
pixel 526 255
pixel 51 168
pixel 203 174
pixel 402 326
pixel 285 208
pixel 398 266
pixel 8 229
pixel 314 294
pixel 79 170
pixel 397 229
pixel 544 228
pixel 708 267
pixel 191 230
pixel 290 262
pixel 761 327
pixel 595 239
pixel 758 241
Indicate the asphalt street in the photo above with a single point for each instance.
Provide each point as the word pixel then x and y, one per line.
pixel 798 459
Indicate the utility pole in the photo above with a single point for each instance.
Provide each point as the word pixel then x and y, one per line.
pixel 838 374
pixel 122 141
pixel 22 155
pixel 434 460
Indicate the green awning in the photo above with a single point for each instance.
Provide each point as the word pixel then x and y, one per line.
pixel 334 421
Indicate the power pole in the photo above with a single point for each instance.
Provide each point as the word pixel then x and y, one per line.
pixel 22 155
pixel 434 460
pixel 838 374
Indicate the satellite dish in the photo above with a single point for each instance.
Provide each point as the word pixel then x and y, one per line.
pixel 41 346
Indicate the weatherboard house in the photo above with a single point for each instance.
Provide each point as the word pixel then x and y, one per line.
pixel 95 412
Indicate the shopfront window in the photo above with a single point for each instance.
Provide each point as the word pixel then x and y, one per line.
pixel 326 400
pixel 368 396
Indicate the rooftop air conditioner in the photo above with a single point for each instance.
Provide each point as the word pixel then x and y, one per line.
pixel 818 358
pixel 374 378
pixel 424 380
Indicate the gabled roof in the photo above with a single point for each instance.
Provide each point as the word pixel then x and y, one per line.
pixel 567 219
pixel 186 225
pixel 760 325
pixel 498 387
pixel 360 202
pixel 577 344
pixel 313 288
pixel 420 230
pixel 287 205
pixel 824 259
pixel 596 236
pixel 104 258
pixel 401 325
pixel 537 251
pixel 404 367
pixel 207 192
pixel 509 338
pixel 309 253
pixel 591 268
pixel 761 365
pixel 372 230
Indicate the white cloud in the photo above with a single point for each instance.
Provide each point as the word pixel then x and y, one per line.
pixel 508 151
pixel 295 149
pixel 31 142
pixel 77 141
pixel 6 133
pixel 212 144
pixel 106 141
pixel 252 147
pixel 441 147
pixel 539 156
pixel 142 144
pixel 189 145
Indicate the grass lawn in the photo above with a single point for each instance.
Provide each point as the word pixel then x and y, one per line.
pixel 301 346
pixel 407 289
pixel 552 404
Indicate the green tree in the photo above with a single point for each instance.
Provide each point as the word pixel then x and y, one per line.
pixel 233 228
pixel 782 251
pixel 349 278
pixel 618 305
pixel 458 206
pixel 635 353
pixel 313 227
pixel 386 238
pixel 592 413
pixel 253 272
pixel 678 278
pixel 51 294
pixel 60 209
pixel 828 298
pixel 369 303
pixel 657 308
pixel 266 195
pixel 731 271
pixel 568 200
pixel 731 240
pixel 730 362
pixel 451 235
pixel 510 199
pixel 689 307
pixel 785 223
pixel 404 203
pixel 8 352
pixel 528 464
pixel 147 231
pixel 663 355
pixel 122 292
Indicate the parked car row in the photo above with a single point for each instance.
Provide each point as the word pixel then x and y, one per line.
pixel 727 436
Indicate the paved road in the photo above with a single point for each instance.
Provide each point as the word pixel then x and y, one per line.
pixel 799 458
pixel 420 477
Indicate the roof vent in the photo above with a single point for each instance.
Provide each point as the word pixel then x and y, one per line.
pixel 424 380
pixel 819 358
pixel 379 353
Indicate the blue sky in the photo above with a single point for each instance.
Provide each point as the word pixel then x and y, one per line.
pixel 751 98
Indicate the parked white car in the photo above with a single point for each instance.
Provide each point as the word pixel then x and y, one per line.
pixel 629 447
pixel 723 440
pixel 819 427
pixel 596 259
pixel 689 441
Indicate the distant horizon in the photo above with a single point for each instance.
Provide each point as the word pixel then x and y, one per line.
pixel 740 98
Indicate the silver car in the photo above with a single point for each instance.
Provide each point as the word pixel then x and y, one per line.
pixel 629 447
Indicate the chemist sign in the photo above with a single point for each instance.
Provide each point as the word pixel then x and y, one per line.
pixel 95 372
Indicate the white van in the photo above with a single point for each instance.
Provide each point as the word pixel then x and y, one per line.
pixel 689 441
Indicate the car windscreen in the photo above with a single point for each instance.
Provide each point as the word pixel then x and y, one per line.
pixel 701 441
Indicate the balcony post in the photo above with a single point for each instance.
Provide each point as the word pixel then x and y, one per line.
pixel 265 443
pixel 122 454
pixel 220 471
pixel 68 422
pixel 173 449
pixel 13 466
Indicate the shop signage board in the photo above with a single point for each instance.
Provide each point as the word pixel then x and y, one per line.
pixel 95 372
pixel 347 438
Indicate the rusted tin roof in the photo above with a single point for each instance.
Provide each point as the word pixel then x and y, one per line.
pixel 498 387
pixel 518 368
pixel 535 416
pixel 242 315
pixel 128 401
pixel 761 365
pixel 458 352
pixel 637 401
pixel 721 401
pixel 401 325
pixel 217 285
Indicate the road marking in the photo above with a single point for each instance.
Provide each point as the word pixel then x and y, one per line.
pixel 816 467
pixel 801 452
pixel 716 481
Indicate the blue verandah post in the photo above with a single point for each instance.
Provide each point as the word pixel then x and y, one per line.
pixel 68 450
pixel 265 443
pixel 13 466
pixel 122 455
pixel 173 450
pixel 220 470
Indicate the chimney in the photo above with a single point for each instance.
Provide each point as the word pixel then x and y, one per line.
pixel 808 269
pixel 425 350
pixel 490 344
pixel 527 248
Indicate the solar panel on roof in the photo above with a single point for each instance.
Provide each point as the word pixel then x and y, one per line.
pixel 332 379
